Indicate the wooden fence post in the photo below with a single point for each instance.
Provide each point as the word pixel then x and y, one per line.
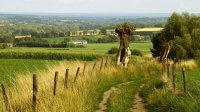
pixel 163 67
pixel 94 67
pixel 6 100
pixel 106 63
pixel 35 90
pixel 111 62
pixel 168 69
pixel 84 68
pixel 77 72
pixel 174 76
pixel 66 78
pixel 184 79
pixel 55 83
pixel 101 66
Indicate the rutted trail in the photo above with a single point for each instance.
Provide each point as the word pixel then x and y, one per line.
pixel 107 95
pixel 138 104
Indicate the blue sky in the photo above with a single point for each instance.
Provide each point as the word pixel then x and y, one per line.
pixel 100 6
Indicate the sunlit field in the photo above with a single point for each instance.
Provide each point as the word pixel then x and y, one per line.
pixel 100 49
pixel 149 29
pixel 10 68
pixel 83 95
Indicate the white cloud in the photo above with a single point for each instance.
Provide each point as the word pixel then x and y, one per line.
pixel 62 1
pixel 100 5
pixel 136 3
pixel 182 4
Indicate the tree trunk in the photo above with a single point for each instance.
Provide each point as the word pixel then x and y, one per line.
pixel 124 53
pixel 123 56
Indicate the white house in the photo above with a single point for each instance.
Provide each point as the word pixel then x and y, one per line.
pixel 80 42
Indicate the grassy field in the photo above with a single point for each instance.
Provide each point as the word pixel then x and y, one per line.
pixel 101 48
pixel 9 68
pixel 82 96
pixel 87 92
pixel 60 39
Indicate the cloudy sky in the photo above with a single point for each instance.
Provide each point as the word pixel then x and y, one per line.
pixel 100 6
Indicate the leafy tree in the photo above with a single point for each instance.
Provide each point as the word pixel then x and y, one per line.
pixel 196 39
pixel 158 40
pixel 6 39
pixel 183 31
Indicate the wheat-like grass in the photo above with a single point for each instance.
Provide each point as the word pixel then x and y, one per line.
pixel 78 97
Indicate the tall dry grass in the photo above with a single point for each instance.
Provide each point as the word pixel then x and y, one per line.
pixel 70 100
pixel 80 96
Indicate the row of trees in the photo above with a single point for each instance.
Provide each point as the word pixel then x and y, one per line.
pixel 182 31
pixel 45 31
pixel 38 42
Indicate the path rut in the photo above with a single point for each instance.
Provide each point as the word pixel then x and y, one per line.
pixel 107 95
pixel 138 104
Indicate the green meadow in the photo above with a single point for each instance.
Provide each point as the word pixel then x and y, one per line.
pixel 9 68
pixel 97 48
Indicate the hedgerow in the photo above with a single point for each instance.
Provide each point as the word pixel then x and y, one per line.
pixel 48 56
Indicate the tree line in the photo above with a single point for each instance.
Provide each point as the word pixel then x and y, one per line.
pixel 182 31
pixel 48 27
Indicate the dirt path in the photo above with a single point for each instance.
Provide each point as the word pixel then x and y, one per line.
pixel 138 104
pixel 107 95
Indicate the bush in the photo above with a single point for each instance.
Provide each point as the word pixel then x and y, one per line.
pixel 136 52
pixel 113 50
pixel 48 56
pixel 4 46
pixel 32 44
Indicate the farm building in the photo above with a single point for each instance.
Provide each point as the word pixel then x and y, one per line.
pixel 6 44
pixel 76 33
pixel 111 32
pixel 23 36
pixel 84 33
pixel 80 42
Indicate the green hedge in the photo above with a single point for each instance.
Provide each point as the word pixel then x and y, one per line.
pixel 48 56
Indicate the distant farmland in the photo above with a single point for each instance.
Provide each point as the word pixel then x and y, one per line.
pixel 145 29
pixel 97 48
pixel 148 29
pixel 89 53
pixel 60 39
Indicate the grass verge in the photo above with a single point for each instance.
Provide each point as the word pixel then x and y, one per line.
pixel 161 99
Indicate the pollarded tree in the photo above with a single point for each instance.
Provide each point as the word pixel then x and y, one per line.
pixel 125 31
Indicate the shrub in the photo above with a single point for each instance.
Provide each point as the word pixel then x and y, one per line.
pixel 113 50
pixel 4 46
pixel 136 52
pixel 48 56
